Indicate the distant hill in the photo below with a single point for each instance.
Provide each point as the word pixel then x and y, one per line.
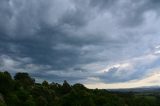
pixel 139 89
pixel 22 90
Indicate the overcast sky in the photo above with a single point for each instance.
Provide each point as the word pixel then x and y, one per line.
pixel 100 43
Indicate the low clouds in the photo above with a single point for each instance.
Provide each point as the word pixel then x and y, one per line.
pixel 76 40
pixel 135 68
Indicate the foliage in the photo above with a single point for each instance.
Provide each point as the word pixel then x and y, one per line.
pixel 23 91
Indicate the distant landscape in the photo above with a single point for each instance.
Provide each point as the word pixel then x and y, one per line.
pixel 22 90
pixel 79 52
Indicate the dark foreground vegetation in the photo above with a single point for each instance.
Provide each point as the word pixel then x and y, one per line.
pixel 23 91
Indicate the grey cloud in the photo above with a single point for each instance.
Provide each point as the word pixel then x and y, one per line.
pixel 67 35
pixel 102 3
pixel 134 69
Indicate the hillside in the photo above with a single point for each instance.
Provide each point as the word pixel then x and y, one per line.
pixel 23 91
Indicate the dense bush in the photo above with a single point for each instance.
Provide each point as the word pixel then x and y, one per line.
pixel 23 91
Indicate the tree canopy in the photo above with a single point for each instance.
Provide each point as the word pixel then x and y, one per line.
pixel 24 91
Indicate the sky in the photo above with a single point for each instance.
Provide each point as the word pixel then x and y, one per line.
pixel 99 43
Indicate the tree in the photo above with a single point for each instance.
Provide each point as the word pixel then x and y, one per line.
pixel 41 101
pixel 24 79
pixel 2 104
pixel 45 84
pixel 12 99
pixel 79 86
pixel 6 83
pixel 30 101
pixel 66 88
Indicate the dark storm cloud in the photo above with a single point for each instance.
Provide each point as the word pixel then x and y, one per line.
pixel 102 3
pixel 67 36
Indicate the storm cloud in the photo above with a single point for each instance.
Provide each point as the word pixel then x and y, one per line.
pixel 87 41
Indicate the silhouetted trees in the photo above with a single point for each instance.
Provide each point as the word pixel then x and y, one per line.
pixel 24 80
pixel 66 88
pixel 23 91
pixel 6 83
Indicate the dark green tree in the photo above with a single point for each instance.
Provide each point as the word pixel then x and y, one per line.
pixel 79 86
pixel 45 84
pixel 6 83
pixel 24 80
pixel 66 88
pixel 41 101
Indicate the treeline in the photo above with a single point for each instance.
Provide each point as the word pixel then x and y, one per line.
pixel 23 91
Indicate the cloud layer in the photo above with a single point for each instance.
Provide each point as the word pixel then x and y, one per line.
pixel 104 41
